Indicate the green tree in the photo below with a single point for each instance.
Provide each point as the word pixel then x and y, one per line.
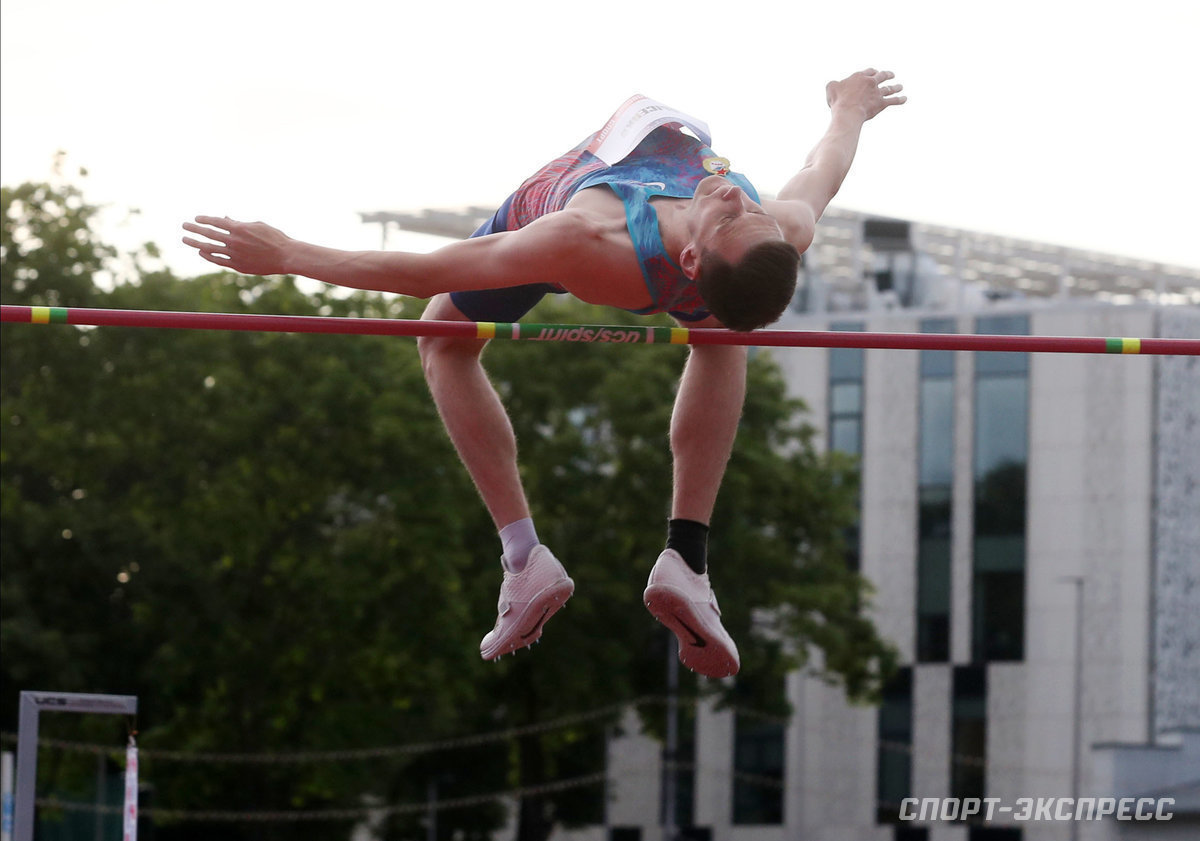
pixel 256 534
pixel 269 540
pixel 49 254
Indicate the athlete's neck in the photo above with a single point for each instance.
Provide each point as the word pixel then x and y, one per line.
pixel 672 224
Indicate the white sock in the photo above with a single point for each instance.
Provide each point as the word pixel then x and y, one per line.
pixel 518 540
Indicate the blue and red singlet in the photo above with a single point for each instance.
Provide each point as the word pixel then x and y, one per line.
pixel 667 162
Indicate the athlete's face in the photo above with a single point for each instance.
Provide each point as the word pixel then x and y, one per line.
pixel 724 220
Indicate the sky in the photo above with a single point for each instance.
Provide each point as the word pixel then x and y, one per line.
pixel 1057 121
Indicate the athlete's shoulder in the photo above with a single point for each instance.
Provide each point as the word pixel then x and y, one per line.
pixel 585 232
pixel 593 254
pixel 796 220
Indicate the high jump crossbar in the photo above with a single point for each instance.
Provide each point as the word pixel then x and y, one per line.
pixel 613 334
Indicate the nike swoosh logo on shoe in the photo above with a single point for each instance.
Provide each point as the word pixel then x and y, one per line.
pixel 697 640
pixel 541 621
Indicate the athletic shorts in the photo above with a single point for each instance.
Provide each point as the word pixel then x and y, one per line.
pixel 507 304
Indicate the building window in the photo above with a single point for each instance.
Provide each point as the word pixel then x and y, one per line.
pixel 968 736
pixel 1001 455
pixel 935 495
pixel 758 748
pixel 894 766
pixel 846 373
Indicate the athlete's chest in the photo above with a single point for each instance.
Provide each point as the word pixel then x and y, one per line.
pixel 619 279
pixel 602 203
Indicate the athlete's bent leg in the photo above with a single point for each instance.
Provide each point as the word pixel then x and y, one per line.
pixel 535 585
pixel 473 415
pixel 703 427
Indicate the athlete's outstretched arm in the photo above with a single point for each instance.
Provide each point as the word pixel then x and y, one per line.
pixel 550 250
pixel 852 101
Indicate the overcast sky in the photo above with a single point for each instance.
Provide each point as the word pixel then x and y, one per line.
pixel 1065 122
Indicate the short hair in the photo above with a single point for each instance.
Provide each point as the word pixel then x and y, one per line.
pixel 753 292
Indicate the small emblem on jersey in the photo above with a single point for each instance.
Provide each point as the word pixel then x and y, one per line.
pixel 717 165
pixel 656 185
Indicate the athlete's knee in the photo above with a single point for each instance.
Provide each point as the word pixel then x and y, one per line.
pixel 439 351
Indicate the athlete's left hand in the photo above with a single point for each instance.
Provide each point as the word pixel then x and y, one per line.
pixel 864 93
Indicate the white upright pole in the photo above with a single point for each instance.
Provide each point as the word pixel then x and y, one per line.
pixel 6 796
pixel 32 703
pixel 27 739
pixel 130 811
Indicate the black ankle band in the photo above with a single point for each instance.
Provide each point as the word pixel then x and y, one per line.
pixel 690 539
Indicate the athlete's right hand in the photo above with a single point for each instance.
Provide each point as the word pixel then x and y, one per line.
pixel 246 247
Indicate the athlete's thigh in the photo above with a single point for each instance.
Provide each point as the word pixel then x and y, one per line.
pixel 441 308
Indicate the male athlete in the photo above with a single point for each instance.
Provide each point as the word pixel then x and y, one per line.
pixel 666 228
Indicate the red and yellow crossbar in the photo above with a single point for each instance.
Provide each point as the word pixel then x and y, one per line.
pixel 613 334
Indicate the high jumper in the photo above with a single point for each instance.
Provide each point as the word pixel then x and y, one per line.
pixel 663 225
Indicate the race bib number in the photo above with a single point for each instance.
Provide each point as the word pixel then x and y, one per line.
pixel 637 117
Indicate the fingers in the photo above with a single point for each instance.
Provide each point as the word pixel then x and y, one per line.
pixel 214 228
pixel 888 92
pixel 213 252
pixel 218 229
pixel 201 245
pixel 879 77
pixel 222 222
pixel 209 252
pixel 211 233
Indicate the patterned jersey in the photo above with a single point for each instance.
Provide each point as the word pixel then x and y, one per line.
pixel 666 163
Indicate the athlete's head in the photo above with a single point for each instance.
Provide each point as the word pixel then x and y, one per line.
pixel 744 269
pixel 754 291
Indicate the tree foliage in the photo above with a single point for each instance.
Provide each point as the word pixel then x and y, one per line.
pixel 269 540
